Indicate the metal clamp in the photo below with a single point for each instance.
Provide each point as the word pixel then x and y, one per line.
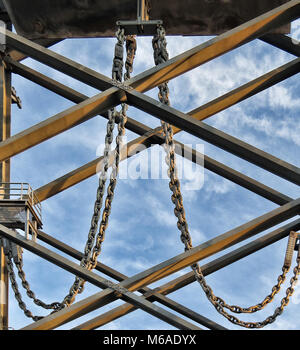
pixel 292 242
pixel 139 27
pixel 142 26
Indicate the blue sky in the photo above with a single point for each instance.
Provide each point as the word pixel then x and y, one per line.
pixel 142 229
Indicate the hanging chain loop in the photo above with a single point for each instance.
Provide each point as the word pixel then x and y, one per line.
pixel 160 56
pixel 94 244
pixel 13 254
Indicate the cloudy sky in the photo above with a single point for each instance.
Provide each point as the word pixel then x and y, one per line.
pixel 142 229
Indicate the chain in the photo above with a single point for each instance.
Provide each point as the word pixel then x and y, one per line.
pixel 94 244
pixel 130 50
pixel 160 56
pixel 17 259
pixel 218 303
pixel 268 299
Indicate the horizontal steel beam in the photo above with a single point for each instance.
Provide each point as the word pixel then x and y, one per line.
pixel 189 278
pixel 111 290
pixel 173 265
pixel 139 128
pixel 120 277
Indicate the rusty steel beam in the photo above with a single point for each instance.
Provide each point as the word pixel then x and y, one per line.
pixel 172 265
pixel 189 277
pixel 84 172
pixel 19 56
pixel 111 290
pixel 245 91
pixel 95 18
pixel 137 127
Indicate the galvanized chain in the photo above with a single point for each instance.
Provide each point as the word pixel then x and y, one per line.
pixel 94 244
pixel 161 55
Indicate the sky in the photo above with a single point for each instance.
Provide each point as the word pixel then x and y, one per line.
pixel 142 228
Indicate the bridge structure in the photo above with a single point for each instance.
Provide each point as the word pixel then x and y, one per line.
pixel 232 24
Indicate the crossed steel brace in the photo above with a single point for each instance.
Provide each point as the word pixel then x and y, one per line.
pixel 131 92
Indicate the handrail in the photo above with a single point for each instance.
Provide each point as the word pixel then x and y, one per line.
pixel 23 191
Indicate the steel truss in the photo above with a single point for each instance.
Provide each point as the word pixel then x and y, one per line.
pixel 132 92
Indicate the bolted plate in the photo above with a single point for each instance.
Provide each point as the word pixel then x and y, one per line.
pixel 36 19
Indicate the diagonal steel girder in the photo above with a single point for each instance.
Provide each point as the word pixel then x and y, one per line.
pixel 111 289
pixel 172 265
pixel 214 136
pixel 189 277
pixel 207 110
pixel 174 67
pixel 120 277
pixel 159 294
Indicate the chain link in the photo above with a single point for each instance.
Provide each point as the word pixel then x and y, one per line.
pixel 94 243
pixel 161 55
pixel 17 259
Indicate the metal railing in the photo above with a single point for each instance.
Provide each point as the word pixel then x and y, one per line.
pixel 21 191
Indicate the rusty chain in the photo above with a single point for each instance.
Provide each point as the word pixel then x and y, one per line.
pixel 160 56
pixel 94 243
pixel 13 253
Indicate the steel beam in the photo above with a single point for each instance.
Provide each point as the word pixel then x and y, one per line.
pixel 245 91
pixel 111 290
pixel 283 42
pixel 59 123
pixel 214 136
pixel 5 132
pixel 84 172
pixel 120 277
pixel 172 265
pixel 149 79
pixel 189 278
pixel 173 67
pixel 139 128
pixel 205 111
